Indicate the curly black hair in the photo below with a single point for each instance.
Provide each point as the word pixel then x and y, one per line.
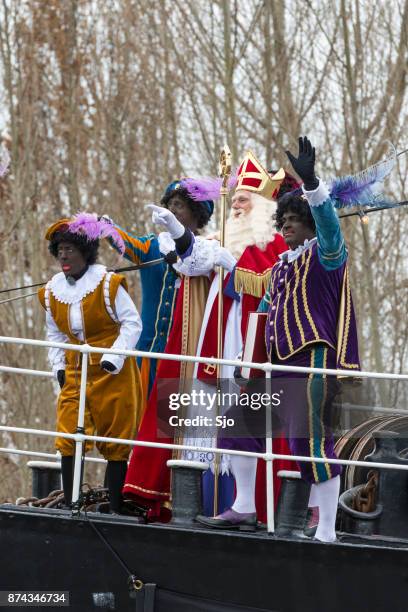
pixel 199 211
pixel 88 248
pixel 294 202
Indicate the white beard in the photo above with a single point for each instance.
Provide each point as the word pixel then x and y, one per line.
pixel 255 227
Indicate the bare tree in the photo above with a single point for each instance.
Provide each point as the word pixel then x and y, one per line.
pixel 105 103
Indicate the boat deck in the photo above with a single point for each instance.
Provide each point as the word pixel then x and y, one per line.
pixel 196 569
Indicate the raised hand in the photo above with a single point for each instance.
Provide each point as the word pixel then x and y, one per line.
pixel 304 164
pixel 163 216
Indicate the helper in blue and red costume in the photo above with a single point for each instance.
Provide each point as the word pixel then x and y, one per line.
pixel 147 480
pixel 310 323
pixel 161 281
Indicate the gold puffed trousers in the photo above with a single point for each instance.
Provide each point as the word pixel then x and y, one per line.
pixel 112 404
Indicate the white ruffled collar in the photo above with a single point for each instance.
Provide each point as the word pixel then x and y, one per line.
pixel 291 255
pixel 70 294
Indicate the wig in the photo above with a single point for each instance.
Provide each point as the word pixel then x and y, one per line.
pixel 200 212
pixel 88 248
pixel 297 204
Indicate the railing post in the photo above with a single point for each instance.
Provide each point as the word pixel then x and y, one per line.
pixel 80 426
pixel 270 510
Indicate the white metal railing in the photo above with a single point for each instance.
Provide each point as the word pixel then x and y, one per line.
pixel 54 456
pixel 268 456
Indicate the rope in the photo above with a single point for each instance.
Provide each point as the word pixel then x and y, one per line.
pixel 20 297
pixel 131 577
pixel 141 266
pixel 93 496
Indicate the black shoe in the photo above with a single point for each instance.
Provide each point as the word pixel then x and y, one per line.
pixel 115 477
pixel 230 520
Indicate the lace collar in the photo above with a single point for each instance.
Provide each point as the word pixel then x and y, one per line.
pixel 70 294
pixel 291 255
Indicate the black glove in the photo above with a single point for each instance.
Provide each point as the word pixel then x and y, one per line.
pixel 61 378
pixel 171 257
pixel 108 366
pixel 304 164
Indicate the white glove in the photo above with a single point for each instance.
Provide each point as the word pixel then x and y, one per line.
pixel 163 216
pixel 224 259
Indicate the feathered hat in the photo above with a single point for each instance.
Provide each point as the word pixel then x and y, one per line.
pixel 178 184
pixel 364 189
pixel 89 226
pixel 250 175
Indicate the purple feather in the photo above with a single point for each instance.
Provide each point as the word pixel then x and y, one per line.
pixel 207 187
pixel 93 228
pixel 4 162
pixel 364 188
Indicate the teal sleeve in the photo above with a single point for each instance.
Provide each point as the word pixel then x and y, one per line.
pixel 331 249
pixel 264 303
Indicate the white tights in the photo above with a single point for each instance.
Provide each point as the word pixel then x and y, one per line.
pixel 325 495
pixel 244 470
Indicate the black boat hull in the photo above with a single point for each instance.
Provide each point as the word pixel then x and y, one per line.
pixel 196 570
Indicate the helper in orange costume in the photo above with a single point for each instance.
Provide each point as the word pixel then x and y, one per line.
pixel 86 303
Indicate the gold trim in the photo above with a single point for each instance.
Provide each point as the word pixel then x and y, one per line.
pixel 340 323
pixel 156 331
pixel 285 317
pixel 176 279
pixel 346 325
pixel 253 283
pixel 132 486
pixel 304 296
pixel 184 326
pixel 318 341
pixel 310 411
pixel 295 302
pixel 274 327
pixel 305 261
pixel 323 454
pixel 347 319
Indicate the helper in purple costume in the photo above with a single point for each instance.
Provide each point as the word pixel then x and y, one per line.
pixel 310 323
